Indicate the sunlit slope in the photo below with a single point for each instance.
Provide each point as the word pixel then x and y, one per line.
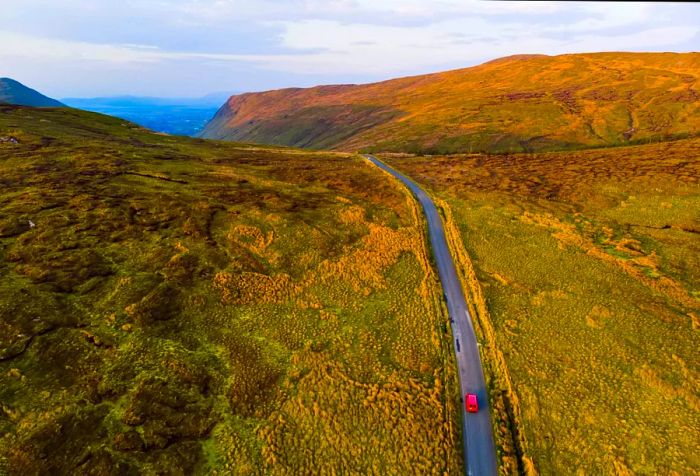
pixel 519 103
pixel 590 267
pixel 176 306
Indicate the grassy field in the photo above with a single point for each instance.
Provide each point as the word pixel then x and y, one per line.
pixel 515 104
pixel 176 306
pixel 589 268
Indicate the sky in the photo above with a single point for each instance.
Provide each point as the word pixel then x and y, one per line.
pixel 189 48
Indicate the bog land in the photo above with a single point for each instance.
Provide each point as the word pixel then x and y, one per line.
pixel 588 271
pixel 172 305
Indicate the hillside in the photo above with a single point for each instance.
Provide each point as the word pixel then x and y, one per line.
pixel 520 103
pixel 589 269
pixel 175 306
pixel 14 92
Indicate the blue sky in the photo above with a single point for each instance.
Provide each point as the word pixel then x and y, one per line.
pixel 193 47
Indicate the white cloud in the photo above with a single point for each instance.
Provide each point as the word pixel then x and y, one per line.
pixel 345 47
pixel 349 11
pixel 601 16
pixel 319 39
pixel 14 45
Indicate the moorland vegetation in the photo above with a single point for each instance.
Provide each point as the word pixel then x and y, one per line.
pixel 179 306
pixel 583 270
pixel 514 104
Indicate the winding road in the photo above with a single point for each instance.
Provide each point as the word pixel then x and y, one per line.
pixel 479 448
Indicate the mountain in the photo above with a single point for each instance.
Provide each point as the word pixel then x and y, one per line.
pixel 178 116
pixel 518 103
pixel 16 93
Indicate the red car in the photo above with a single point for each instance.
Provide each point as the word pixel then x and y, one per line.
pixel 471 403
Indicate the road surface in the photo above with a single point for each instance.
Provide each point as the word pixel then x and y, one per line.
pixel 479 448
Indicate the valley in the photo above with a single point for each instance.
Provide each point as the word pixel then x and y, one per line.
pixel 268 298
pixel 175 116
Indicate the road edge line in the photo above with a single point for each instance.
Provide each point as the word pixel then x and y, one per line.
pixel 497 365
pixel 440 301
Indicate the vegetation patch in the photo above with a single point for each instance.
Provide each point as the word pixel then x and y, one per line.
pixel 590 279
pixel 177 306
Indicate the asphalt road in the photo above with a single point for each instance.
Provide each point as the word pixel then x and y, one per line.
pixel 479 448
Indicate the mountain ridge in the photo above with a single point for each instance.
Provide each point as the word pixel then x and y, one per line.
pixel 15 93
pixel 518 103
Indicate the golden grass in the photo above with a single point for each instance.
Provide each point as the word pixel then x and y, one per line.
pixel 589 267
pixel 512 442
pixel 190 307
pixel 514 104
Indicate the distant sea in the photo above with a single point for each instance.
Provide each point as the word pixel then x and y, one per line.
pixel 159 114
